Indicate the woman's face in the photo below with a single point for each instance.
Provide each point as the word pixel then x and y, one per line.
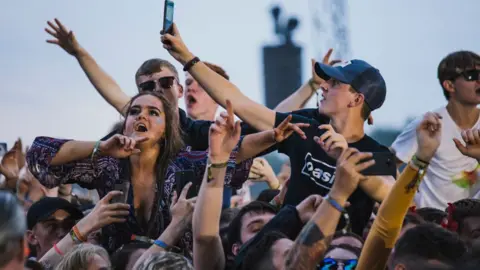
pixel 146 118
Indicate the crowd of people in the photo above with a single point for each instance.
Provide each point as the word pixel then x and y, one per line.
pixel 169 189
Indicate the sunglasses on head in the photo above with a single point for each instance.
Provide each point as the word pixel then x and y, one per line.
pixel 163 82
pixel 469 75
pixel 332 264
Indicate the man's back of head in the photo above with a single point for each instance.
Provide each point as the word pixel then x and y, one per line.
pixel 427 245
pixel 12 230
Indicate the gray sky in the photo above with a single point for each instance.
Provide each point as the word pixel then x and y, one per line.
pixel 44 92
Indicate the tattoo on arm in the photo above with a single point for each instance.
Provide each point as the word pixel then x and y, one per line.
pixel 308 249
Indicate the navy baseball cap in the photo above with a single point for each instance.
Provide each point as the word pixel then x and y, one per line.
pixel 359 74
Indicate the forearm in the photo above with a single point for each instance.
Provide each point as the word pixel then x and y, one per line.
pixel 297 100
pixel 220 89
pixel 314 239
pixel 106 86
pixel 73 151
pixel 255 144
pixel 52 257
pixel 377 187
pixel 389 220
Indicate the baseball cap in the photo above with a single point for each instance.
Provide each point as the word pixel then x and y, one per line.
pixel 359 74
pixel 46 206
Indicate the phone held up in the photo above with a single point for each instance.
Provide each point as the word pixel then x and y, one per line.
pixel 168 16
pixel 121 198
pixel 182 178
pixel 384 164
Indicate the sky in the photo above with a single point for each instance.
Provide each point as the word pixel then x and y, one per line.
pixel 44 92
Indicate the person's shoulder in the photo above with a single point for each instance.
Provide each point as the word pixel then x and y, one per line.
pixel 313 113
pixel 368 143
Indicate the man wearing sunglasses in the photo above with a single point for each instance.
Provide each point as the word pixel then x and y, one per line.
pixel 450 175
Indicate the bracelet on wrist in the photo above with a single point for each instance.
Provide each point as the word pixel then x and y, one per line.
pixel 57 250
pixel 190 64
pixel 75 234
pixel 421 164
pixel 334 203
pixel 95 150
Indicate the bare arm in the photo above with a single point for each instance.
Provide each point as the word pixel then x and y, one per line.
pixel 297 100
pixel 377 187
pixel 207 244
pixel 73 151
pixel 105 85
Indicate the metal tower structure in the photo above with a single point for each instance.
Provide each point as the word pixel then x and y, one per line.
pixel 330 28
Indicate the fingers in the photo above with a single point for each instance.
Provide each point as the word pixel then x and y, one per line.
pixel 326 58
pixel 230 118
pixel 431 121
pixel 53 26
pixel 140 139
pixel 50 32
pixel 237 130
pixel 471 136
pixel 334 62
pixel 346 154
pixel 359 156
pixel 110 195
pixel 364 165
pixel 460 146
pixel 192 200
pixel 284 124
pixel 61 27
pixel 174 198
pixel 185 189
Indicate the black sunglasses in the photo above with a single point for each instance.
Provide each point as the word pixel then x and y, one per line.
pixel 469 75
pixel 164 83
pixel 332 264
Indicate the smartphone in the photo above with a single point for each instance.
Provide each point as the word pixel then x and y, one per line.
pixel 168 16
pixel 3 149
pixel 121 198
pixel 182 178
pixel 384 164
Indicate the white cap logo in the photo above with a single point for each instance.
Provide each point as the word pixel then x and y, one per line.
pixel 344 64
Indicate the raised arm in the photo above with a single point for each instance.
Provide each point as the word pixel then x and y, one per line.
pixel 253 113
pixel 300 97
pixel 105 85
pixel 390 216
pixel 314 240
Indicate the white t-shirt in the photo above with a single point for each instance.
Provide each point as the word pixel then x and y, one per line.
pixel 451 175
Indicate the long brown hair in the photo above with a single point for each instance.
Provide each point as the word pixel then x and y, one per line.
pixel 171 143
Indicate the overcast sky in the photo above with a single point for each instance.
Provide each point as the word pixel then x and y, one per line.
pixel 44 92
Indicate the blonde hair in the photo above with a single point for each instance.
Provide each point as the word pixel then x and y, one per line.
pixel 80 257
pixel 165 261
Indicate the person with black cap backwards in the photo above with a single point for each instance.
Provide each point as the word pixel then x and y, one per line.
pixel 48 221
pixel 350 92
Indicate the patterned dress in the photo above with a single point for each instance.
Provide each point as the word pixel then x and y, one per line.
pixel 103 174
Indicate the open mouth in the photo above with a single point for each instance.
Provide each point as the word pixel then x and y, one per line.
pixel 140 127
pixel 191 100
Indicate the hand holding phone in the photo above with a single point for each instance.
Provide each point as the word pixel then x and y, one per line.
pixel 120 198
pixel 168 17
pixel 182 178
pixel 384 164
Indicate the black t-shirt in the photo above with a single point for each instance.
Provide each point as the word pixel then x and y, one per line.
pixel 313 171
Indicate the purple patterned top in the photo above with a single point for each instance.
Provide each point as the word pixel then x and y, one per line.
pixel 103 174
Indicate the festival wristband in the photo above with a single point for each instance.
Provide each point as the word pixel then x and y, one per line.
pixel 57 250
pixel 334 203
pixel 191 63
pixel 421 164
pixel 161 244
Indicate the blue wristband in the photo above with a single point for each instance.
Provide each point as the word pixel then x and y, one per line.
pixel 160 243
pixel 334 203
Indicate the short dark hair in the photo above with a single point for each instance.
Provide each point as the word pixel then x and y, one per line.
pixel 412 218
pixel 455 63
pixel 430 214
pixel 155 65
pixel 365 108
pixel 267 195
pixel 259 255
pixel 235 228
pixel 219 70
pixel 429 242
pixel 460 210
pixel 342 233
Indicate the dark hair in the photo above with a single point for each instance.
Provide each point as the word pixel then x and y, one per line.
pixel 155 65
pixel 460 210
pixel 171 143
pixel 219 70
pixel 235 228
pixel 455 63
pixel 365 108
pixel 259 255
pixel 122 255
pixel 412 218
pixel 429 242
pixel 430 214
pixel 340 234
pixel 13 226
pixel 267 195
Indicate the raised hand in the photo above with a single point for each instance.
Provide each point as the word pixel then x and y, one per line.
pixel 428 136
pixel 182 208
pixel 20 154
pixel 308 206
pixel 62 37
pixel 104 213
pixel 285 129
pixel 175 46
pixel 347 177
pixel 9 167
pixel 472 143
pixel 224 135
pixel 331 142
pixel 120 146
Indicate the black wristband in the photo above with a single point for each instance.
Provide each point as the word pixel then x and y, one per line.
pixel 191 63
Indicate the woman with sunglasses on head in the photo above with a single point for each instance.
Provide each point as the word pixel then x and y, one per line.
pixel 145 158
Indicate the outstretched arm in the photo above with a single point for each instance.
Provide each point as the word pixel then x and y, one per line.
pixel 106 86
pixel 253 113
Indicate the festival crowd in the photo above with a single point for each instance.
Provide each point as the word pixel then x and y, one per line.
pixel 169 189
